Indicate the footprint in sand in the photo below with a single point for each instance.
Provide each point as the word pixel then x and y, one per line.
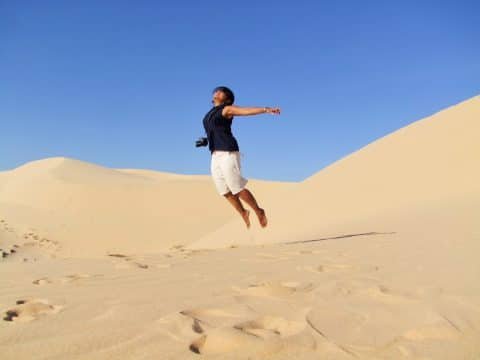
pixel 181 327
pixel 42 281
pixel 30 309
pixel 186 325
pixel 304 252
pixel 265 258
pixel 73 278
pixel 271 326
pixel 261 336
pixel 368 288
pixel 275 289
pixel 332 267
pixel 9 251
pixel 384 294
pixel 215 317
pixel 127 262
pixel 6 227
pixel 225 340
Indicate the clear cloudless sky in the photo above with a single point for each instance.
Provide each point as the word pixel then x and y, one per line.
pixel 125 84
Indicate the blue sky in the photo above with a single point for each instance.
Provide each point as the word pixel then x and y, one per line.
pixel 126 84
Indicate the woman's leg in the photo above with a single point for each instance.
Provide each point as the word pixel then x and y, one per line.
pixel 248 197
pixel 237 204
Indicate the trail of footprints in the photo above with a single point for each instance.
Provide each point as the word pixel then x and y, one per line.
pixel 5 226
pixel 35 240
pixel 221 330
pixel 123 261
pixel 31 240
pixel 6 250
pixel 253 324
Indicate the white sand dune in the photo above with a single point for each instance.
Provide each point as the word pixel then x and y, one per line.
pixel 95 210
pixel 373 257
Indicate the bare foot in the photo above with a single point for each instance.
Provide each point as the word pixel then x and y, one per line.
pixel 262 218
pixel 246 218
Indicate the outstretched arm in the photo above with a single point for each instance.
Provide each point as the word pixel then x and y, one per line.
pixel 232 110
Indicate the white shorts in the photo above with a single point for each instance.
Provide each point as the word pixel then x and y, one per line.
pixel 226 172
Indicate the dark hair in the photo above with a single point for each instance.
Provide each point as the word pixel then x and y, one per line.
pixel 229 93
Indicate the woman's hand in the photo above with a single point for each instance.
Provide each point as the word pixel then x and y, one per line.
pixel 273 111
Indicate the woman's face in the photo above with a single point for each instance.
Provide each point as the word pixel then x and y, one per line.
pixel 219 97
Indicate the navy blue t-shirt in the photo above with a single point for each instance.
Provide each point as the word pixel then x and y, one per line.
pixel 219 130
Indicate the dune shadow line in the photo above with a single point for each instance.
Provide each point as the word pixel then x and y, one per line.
pixel 340 237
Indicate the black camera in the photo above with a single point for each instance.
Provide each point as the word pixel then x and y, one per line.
pixel 203 141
